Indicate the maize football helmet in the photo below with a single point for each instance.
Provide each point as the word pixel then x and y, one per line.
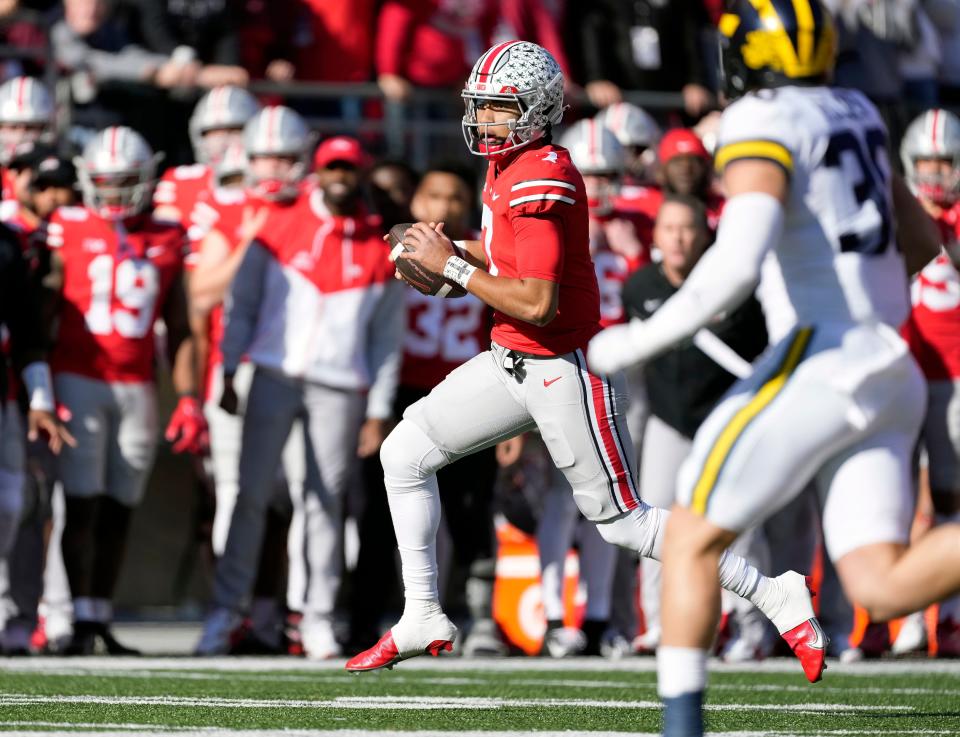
pixel 775 43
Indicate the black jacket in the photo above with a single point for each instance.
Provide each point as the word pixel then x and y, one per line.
pixel 683 384
pixel 19 308
pixel 602 35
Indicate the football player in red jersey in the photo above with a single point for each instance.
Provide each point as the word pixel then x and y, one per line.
pixel 532 266
pixel 216 122
pixel 930 153
pixel 115 270
pixel 315 309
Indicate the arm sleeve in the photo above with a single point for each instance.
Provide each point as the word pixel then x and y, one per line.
pixel 384 342
pixel 394 28
pixel 539 246
pixel 242 308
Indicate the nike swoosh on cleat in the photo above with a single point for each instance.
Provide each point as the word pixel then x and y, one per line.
pixel 548 383
pixel 820 642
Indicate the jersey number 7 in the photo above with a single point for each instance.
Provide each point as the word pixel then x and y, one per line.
pixel 864 162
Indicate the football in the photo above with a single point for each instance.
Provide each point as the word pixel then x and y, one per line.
pixel 425 282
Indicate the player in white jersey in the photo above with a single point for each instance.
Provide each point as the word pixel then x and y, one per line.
pixel 838 398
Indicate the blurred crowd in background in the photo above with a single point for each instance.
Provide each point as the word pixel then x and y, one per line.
pixel 356 107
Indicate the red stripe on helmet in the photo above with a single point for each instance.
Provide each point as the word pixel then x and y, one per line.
pixel 487 69
pixel 22 93
pixel 933 133
pixel 114 135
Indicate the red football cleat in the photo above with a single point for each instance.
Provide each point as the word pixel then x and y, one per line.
pixel 386 655
pixel 809 644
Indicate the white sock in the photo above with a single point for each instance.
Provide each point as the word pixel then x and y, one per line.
pixel 102 610
pixel 410 462
pixel 680 670
pixel 743 579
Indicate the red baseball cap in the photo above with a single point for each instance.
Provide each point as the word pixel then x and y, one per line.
pixel 679 142
pixel 340 148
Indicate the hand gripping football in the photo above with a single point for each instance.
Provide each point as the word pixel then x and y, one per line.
pixel 424 281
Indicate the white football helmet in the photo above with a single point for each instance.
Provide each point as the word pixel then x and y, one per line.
pixel 520 72
pixel 225 108
pixel 632 125
pixel 278 131
pixel 117 173
pixel 597 153
pixel 935 134
pixel 637 132
pixel 26 114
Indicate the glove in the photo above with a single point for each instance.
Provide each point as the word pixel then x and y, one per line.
pixel 616 348
pixel 188 422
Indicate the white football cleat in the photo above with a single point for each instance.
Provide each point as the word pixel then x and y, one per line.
pixel 433 634
pixel 750 640
pixel 647 643
pixel 793 616
pixel 563 642
pixel 912 637
pixel 218 630
pixel 317 636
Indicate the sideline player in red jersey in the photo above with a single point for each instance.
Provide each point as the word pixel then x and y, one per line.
pixel 115 271
pixel 615 244
pixel 216 122
pixel 533 267
pixel 230 218
pixel 930 152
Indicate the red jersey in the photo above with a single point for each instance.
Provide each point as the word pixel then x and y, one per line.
pixel 612 266
pixel 441 335
pixel 933 328
pixel 540 182
pixel 179 190
pixel 115 282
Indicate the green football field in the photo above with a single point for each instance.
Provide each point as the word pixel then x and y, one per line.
pixel 476 697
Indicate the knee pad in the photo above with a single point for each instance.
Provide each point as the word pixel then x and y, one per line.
pixel 640 530
pixel 408 453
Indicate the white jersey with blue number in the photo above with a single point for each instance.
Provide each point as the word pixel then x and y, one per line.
pixel 837 261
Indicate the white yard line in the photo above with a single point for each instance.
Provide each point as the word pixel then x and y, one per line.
pixel 418 703
pixel 341 678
